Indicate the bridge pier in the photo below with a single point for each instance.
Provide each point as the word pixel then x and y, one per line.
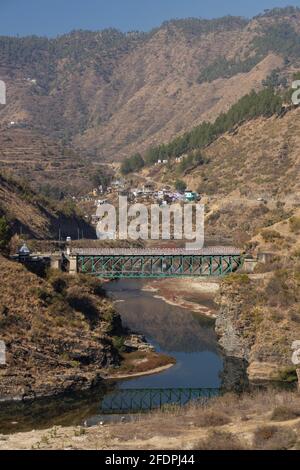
pixel 73 269
pixel 249 265
pixel 56 262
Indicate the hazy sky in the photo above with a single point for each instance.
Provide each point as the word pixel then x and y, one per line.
pixel 52 17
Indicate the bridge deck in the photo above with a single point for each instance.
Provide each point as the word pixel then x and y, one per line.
pixel 207 251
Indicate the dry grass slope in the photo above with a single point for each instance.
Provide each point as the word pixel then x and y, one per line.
pixel 114 94
pixel 58 331
pixel 227 423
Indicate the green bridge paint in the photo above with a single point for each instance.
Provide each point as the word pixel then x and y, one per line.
pixel 159 263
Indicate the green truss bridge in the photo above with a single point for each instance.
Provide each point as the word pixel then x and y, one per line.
pixel 156 263
pixel 147 399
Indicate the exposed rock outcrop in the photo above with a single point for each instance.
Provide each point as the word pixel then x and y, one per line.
pixel 59 333
pixel 257 323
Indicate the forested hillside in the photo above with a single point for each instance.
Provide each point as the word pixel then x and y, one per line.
pixel 264 103
pixel 112 94
pixel 245 166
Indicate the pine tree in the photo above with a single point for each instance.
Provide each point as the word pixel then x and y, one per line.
pixel 5 233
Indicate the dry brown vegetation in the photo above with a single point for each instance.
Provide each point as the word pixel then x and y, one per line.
pixel 295 224
pixel 116 94
pixel 228 422
pixel 250 181
pixel 59 332
pixel 51 167
pixel 220 440
pixel 285 413
pixel 141 362
pixel 263 314
pixel 270 437
pixel 32 215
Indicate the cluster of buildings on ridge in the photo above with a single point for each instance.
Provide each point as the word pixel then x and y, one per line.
pixel 146 194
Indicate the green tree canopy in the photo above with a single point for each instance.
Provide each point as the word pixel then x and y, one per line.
pixel 180 186
pixel 264 103
pixel 5 233
pixel 133 163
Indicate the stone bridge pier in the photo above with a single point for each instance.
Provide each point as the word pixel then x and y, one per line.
pixel 73 268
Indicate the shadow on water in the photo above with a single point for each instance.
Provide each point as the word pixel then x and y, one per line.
pixel 184 335
pixel 44 413
pixel 176 331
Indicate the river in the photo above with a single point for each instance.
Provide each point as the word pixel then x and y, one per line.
pixel 186 336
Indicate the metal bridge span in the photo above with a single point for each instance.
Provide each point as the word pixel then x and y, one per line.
pixel 156 263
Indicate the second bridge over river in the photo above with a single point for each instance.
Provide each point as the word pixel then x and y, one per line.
pixel 156 263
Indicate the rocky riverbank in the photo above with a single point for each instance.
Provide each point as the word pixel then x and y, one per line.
pixel 258 322
pixel 62 335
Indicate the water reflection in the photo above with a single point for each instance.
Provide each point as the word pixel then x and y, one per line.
pixel 45 413
pixel 173 330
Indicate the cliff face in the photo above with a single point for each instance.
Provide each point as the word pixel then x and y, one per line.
pixel 227 325
pixel 258 321
pixel 59 333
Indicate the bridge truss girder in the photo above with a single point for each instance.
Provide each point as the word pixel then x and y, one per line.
pixel 156 266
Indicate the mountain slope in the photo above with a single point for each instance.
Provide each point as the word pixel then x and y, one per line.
pixel 248 177
pixel 58 333
pixel 112 93
pixel 260 158
pixel 30 214
pixel 51 167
